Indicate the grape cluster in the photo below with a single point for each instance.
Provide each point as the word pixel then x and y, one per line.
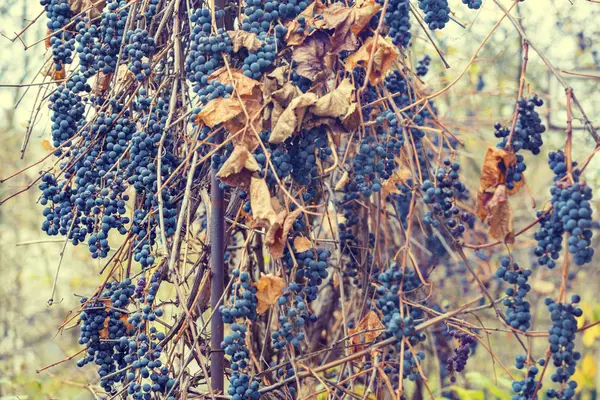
pixel 243 306
pixel 67 111
pixel 437 13
pixel 303 151
pixel 117 344
pixel 63 44
pixel 442 195
pixel 372 164
pixel 472 4
pixel 139 49
pixel 423 66
pixel 393 281
pixel 293 318
pixel 205 56
pixel 571 212
pixel 526 389
pixel 562 345
pixel 112 30
pixel 255 64
pixel 458 361
pixel 518 314
pixel 528 129
pixel 397 19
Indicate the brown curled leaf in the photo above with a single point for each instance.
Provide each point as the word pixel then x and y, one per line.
pixel 238 168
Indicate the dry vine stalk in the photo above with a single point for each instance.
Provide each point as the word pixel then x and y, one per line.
pixel 212 148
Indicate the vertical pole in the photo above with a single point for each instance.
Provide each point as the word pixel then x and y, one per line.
pixel 217 281
pixel 217 251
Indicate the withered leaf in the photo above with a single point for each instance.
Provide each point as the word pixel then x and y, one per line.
pixel 281 99
pixel 311 57
pixel 242 39
pixel 491 177
pixel 351 120
pixel 500 216
pixel 268 290
pixel 277 234
pixel 302 244
pixel 260 202
pixel 275 238
pixel 219 110
pixel 291 118
pixel 47 145
pixel 384 55
pixel 238 168
pixel 348 22
pixel 243 85
pixel 369 323
pixel 93 7
pixel 337 102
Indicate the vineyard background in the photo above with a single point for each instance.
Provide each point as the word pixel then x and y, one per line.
pixel 484 95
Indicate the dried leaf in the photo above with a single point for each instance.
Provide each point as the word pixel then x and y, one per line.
pixel 291 118
pixel 243 85
pixel 275 239
pixel 94 7
pixel 102 82
pixel 268 290
pixel 384 55
pixel 491 177
pixel 351 120
pixel 277 234
pixel 369 323
pixel 337 102
pixel 311 57
pixel 218 111
pixel 348 22
pixel 47 42
pixel 47 145
pixel 242 39
pixel 281 99
pixel 500 216
pixel 302 244
pixel 238 168
pixel 260 202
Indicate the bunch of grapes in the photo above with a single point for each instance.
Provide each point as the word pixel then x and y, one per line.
pixel 437 13
pixel 518 314
pixel 423 66
pixel 571 213
pixel 458 361
pixel 139 49
pixel 472 4
pixel 63 44
pixel 528 129
pixel 397 19
pixel 562 345
pixel 526 389
pixel 243 306
pixel 442 198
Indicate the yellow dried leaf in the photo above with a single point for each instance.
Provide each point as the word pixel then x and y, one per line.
pixel 348 22
pixel 242 84
pixel 291 118
pixel 219 110
pixel 369 323
pixel 238 168
pixel 337 102
pixel 242 39
pixel 351 120
pixel 311 58
pixel 491 176
pixel 500 216
pixel 260 201
pixel 268 289
pixel 302 244
pixel 384 55
pixel 47 145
